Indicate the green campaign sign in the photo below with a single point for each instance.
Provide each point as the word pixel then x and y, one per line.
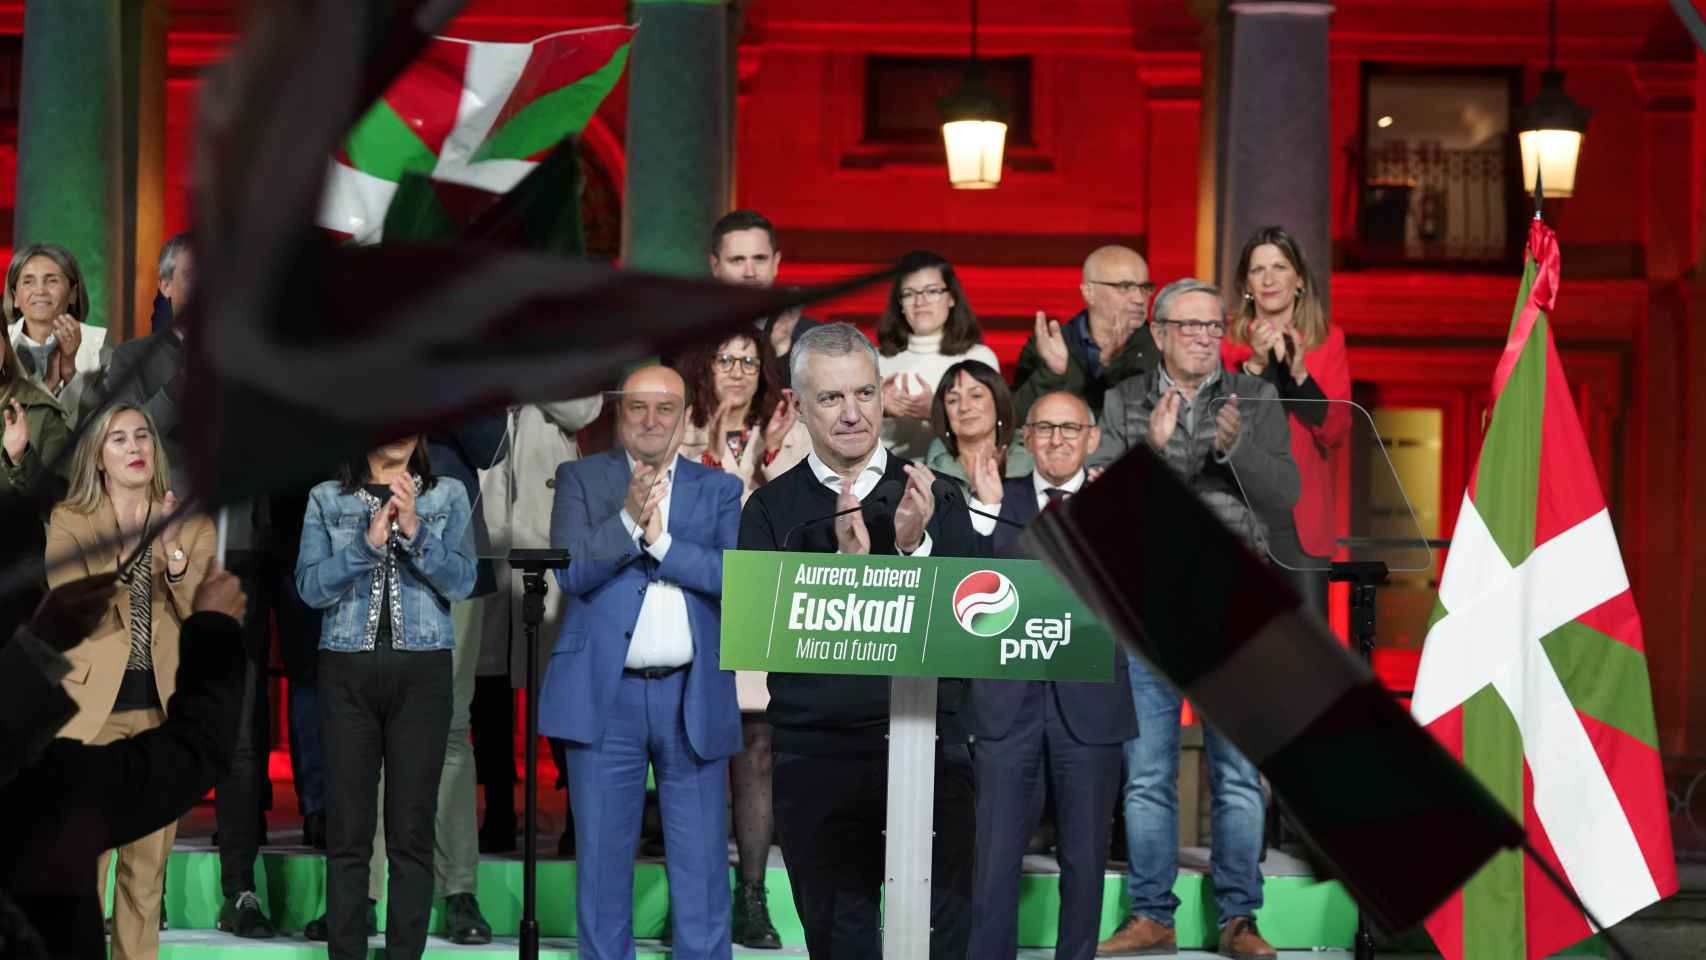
pixel 907 616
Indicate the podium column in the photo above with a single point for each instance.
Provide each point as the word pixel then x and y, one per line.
pixel 911 818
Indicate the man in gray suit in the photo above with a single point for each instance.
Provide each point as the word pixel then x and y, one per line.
pixel 1225 435
pixel 159 383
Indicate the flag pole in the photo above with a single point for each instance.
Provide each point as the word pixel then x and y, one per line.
pixel 1539 187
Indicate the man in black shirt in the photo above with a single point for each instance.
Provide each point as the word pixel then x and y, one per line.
pixel 830 732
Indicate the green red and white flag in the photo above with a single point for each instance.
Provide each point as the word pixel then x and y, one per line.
pixel 1534 673
pixel 471 113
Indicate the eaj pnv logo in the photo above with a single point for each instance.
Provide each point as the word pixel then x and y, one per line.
pixel 985 603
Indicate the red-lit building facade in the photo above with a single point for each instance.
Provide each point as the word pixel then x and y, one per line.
pixel 1113 136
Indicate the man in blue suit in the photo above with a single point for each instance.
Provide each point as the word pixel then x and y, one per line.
pixel 1070 732
pixel 634 677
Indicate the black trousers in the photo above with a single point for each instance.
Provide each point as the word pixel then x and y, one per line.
pixel 830 815
pixel 1011 773
pixel 392 708
pixel 247 788
pixel 492 719
pixel 240 797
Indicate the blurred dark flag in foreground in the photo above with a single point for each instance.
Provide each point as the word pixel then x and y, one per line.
pixel 1386 808
pixel 305 351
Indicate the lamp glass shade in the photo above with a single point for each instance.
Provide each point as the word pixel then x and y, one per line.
pixel 1553 152
pixel 974 152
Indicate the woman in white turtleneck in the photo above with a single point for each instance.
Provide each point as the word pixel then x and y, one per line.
pixel 927 327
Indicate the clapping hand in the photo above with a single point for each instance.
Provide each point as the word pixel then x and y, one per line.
pixel 782 420
pixel 985 478
pixel 1226 424
pixel 900 400
pixel 1164 419
pixel 850 534
pixel 17 435
pixel 69 333
pixel 379 528
pixel 1051 344
pixel 917 506
pixel 645 493
pixel 403 505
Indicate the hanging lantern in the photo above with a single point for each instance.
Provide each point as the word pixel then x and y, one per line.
pixel 1552 126
pixel 974 128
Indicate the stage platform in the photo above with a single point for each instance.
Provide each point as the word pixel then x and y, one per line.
pixel 1300 913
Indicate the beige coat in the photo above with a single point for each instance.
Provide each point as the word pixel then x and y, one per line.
pixel 97 664
pixel 515 500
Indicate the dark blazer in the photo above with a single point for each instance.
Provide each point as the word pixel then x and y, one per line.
pixel 1094 712
pixel 605 584
pixel 462 452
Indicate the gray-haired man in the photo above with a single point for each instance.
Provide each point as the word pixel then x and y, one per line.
pixel 1223 451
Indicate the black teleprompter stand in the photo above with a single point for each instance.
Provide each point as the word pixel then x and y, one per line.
pixel 1364 577
pixel 532 565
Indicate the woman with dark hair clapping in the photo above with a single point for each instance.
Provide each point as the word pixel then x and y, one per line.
pixel 972 417
pixel 385 551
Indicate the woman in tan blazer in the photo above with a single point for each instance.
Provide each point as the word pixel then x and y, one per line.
pixel 123 675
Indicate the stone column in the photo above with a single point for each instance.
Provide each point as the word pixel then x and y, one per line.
pixel 70 169
pixel 680 93
pixel 1274 160
pixel 143 115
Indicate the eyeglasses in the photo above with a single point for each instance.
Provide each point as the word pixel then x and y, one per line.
pixel 726 362
pixel 1068 431
pixel 1126 288
pixel 1196 328
pixel 926 295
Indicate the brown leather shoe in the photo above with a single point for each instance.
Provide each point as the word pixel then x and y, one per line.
pixel 1240 941
pixel 1139 937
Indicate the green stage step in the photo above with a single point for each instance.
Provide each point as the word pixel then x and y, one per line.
pixel 1299 913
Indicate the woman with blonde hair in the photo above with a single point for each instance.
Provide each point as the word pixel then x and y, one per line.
pixel 1281 334
pixel 46 308
pixel 123 675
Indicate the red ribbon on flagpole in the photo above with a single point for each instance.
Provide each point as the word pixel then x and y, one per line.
pixel 1542 292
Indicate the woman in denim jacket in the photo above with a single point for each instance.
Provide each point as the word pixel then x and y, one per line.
pixel 385 551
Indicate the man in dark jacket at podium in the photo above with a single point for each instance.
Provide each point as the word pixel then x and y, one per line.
pixel 1072 732
pixel 831 774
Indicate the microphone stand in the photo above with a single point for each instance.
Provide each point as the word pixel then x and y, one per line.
pixel 1364 578
pixel 532 564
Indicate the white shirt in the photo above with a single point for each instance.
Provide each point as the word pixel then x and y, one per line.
pixel 663 637
pixel 921 366
pixel 93 355
pixel 986 525
pixel 869 475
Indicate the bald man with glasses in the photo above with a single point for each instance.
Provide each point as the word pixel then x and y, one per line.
pixel 1036 734
pixel 1098 348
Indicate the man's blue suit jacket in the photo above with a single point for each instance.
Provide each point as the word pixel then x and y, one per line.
pixel 606 582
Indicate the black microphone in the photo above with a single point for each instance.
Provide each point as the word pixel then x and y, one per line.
pixel 947 491
pixel 887 494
